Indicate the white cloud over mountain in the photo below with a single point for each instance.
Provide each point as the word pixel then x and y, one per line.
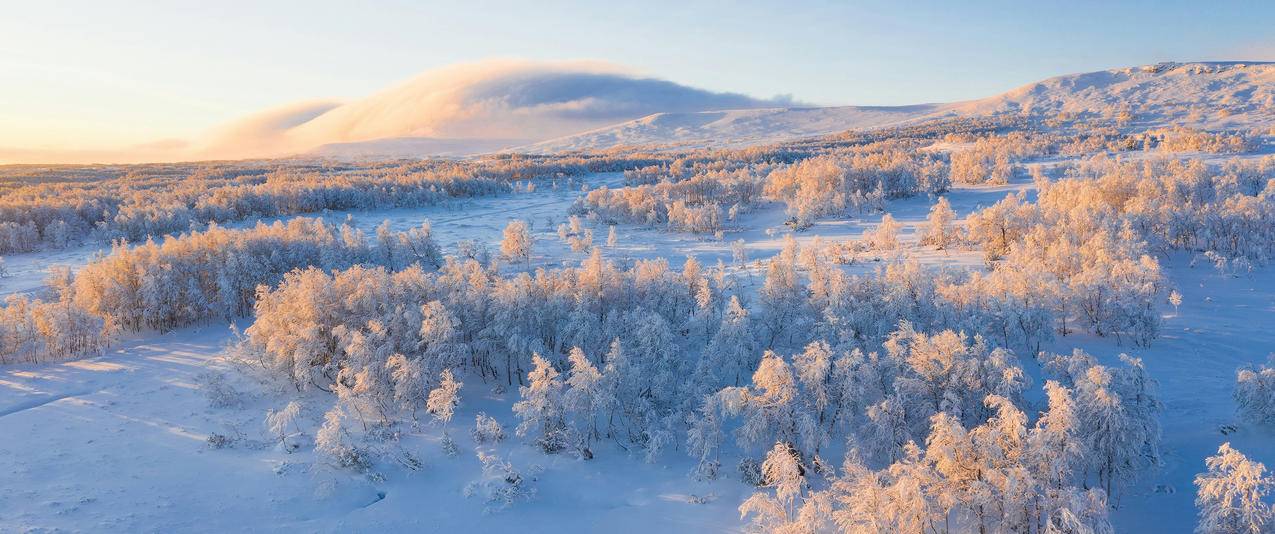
pixel 493 102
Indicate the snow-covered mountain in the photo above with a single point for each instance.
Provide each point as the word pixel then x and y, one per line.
pixel 540 110
pixel 736 127
pixel 1210 95
pixel 1214 95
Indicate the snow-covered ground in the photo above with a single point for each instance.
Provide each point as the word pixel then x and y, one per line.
pixel 120 442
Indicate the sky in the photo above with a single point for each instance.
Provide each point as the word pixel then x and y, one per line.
pixel 90 75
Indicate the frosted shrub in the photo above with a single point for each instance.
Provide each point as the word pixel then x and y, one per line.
pixel 35 330
pixel 1232 495
pixel 474 250
pixel 886 234
pixel 487 430
pixel 283 423
pixel 449 446
pixel 517 242
pixel 750 471
pixel 1255 393
pixel 215 273
pixel 219 393
pixel 501 486
pixel 937 230
pixel 333 442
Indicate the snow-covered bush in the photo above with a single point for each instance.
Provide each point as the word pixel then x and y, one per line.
pixel 217 390
pixel 517 242
pixel 860 178
pixel 33 330
pixel 283 423
pixel 1232 495
pixel 1255 393
pixel 886 235
pixel 215 273
pixel 334 443
pixel 487 430
pixel 501 485
pixel 938 230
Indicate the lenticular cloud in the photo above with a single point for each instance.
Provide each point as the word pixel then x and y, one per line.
pixel 494 100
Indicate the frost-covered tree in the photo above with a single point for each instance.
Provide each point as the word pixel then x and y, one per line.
pixel 937 230
pixel 704 437
pixel 813 368
pixel 768 406
pixel 397 250
pixel 886 235
pixel 442 403
pixel 408 381
pixel 782 301
pixel 334 442
pixel 1232 494
pixel 438 343
pixel 517 241
pixel 859 497
pixel 541 410
pixel 1118 412
pixel 887 431
pixel 586 398
pixel 948 372
pixel 731 353
pixel 1054 446
pixel 444 398
pixel 782 512
pixel 655 359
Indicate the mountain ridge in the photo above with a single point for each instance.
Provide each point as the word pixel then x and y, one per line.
pixel 1166 94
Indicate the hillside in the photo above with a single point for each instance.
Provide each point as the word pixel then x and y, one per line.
pixel 1217 95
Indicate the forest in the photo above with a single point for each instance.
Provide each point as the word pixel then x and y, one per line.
pixel 852 384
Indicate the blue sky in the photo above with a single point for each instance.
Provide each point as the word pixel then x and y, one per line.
pixel 80 74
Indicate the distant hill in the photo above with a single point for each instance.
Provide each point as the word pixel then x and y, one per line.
pixel 1213 95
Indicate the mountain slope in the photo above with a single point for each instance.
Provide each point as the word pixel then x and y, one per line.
pixel 1216 95
pixel 1213 95
pixel 736 127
